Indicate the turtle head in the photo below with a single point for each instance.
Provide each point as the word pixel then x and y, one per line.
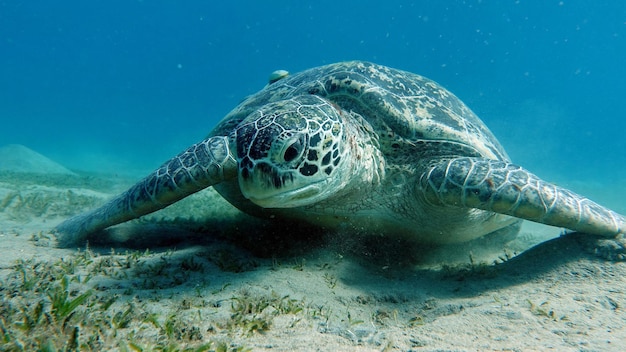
pixel 292 152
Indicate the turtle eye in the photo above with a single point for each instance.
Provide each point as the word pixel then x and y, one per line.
pixel 294 150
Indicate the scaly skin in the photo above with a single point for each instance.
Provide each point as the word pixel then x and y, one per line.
pixel 356 141
pixel 201 165
pixel 505 188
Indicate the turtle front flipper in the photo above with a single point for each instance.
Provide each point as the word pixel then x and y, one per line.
pixel 201 165
pixel 505 188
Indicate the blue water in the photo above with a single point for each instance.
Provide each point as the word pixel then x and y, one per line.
pixel 124 85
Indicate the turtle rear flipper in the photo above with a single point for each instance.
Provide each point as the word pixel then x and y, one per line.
pixel 506 188
pixel 202 165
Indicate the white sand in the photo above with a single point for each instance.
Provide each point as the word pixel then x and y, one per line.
pixel 349 297
pixel 18 158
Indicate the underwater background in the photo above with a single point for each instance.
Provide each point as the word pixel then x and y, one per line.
pixel 112 89
pixel 121 86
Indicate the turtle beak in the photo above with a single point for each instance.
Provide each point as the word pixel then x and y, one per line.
pixel 269 187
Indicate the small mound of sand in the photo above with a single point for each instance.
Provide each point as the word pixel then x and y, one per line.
pixel 18 158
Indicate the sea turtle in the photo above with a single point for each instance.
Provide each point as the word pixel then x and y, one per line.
pixel 360 144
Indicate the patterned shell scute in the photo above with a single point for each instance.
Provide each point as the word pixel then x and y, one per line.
pixel 408 105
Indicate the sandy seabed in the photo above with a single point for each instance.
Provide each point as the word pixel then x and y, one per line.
pixel 201 276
